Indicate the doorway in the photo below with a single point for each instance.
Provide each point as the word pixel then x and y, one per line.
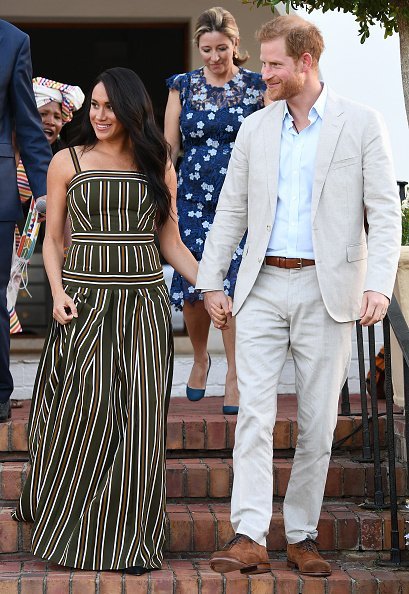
pixel 75 53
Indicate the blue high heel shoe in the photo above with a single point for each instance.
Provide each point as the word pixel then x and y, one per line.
pixel 230 410
pixel 195 394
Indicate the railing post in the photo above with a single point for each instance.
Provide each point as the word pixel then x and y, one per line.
pixel 378 492
pixel 366 437
pixel 390 432
pixel 406 402
pixel 345 404
pixel 402 186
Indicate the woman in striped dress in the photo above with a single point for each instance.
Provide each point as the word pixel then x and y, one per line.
pixel 96 491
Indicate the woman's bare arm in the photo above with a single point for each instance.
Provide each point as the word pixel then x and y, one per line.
pixel 59 175
pixel 172 130
pixel 173 249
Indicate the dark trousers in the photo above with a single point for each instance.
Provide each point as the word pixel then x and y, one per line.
pixel 6 252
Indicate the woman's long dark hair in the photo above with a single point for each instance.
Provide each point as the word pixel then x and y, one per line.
pixel 132 106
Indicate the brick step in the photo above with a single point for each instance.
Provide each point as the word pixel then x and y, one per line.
pixel 212 478
pixel 204 527
pixel 201 426
pixel 27 575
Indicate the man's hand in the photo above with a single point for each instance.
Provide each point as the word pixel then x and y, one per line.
pixel 374 308
pixel 219 308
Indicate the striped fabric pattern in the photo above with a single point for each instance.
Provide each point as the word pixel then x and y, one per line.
pixel 15 326
pixel 96 491
pixel 22 183
pixel 25 194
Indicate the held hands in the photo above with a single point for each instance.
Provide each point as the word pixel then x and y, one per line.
pixel 219 308
pixel 374 308
pixel 64 308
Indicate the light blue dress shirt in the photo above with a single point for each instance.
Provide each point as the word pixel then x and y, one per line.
pixel 291 235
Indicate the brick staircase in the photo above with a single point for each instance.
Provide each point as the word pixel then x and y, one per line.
pixel 199 479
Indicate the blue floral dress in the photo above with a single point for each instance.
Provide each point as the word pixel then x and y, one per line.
pixel 209 122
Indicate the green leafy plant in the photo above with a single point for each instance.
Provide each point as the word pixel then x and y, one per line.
pixel 392 16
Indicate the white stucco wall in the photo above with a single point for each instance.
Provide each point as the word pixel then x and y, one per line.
pixel 248 20
pixel 368 73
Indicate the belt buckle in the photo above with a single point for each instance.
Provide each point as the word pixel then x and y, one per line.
pixel 300 266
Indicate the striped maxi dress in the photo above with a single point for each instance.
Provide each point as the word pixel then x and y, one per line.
pixel 96 489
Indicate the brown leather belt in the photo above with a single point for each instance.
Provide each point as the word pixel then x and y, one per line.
pixel 282 262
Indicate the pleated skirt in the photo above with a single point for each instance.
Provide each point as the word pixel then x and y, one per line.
pixel 96 489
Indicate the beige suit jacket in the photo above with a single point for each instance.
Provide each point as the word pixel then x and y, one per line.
pixel 353 172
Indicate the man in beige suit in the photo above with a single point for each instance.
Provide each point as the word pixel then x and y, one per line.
pixel 301 175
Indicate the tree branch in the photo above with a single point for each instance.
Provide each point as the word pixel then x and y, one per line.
pixel 403 26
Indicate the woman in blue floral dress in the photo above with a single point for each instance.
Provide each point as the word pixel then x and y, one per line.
pixel 204 112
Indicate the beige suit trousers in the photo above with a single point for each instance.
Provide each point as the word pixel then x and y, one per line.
pixel 285 308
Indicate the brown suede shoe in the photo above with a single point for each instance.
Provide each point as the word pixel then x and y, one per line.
pixel 243 553
pixel 304 555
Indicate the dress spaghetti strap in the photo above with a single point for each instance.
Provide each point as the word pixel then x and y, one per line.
pixel 75 160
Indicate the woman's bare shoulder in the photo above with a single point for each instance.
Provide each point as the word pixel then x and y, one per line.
pixel 63 156
pixel 62 165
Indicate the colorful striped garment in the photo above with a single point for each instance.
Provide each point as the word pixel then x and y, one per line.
pixel 25 194
pixel 22 183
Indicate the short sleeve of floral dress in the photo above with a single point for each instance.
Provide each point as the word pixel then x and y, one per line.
pixel 209 122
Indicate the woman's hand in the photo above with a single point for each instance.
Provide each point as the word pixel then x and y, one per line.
pixel 64 308
pixel 219 308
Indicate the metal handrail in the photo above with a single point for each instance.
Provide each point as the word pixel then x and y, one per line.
pixel 371 451
pixel 395 554
pixel 399 327
pixel 395 320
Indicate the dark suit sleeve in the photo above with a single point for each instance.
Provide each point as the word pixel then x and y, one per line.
pixel 34 148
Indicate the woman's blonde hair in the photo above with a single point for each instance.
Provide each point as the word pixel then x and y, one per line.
pixel 222 21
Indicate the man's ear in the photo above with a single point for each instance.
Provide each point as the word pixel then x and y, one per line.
pixel 306 60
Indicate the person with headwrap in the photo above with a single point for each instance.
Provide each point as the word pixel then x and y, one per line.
pixel 56 103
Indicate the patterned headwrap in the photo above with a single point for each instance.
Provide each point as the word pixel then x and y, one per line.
pixel 70 97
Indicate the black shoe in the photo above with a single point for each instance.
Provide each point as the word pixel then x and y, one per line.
pixel 5 411
pixel 136 570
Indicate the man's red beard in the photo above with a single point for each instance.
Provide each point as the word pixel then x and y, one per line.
pixel 287 89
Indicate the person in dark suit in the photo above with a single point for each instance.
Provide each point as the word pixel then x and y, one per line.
pixel 18 111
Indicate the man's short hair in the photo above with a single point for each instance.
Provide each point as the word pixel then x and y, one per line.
pixel 300 36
